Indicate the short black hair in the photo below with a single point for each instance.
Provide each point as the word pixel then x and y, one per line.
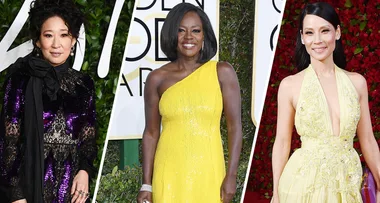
pixel 327 12
pixel 169 32
pixel 41 10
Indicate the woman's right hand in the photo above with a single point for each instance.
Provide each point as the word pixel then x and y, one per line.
pixel 20 201
pixel 144 196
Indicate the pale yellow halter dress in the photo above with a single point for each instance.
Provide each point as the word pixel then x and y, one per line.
pixel 326 169
pixel 189 162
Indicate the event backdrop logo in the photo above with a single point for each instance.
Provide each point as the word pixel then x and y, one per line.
pixel 268 17
pixel 142 55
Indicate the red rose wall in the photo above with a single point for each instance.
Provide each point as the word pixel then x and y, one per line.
pixel 360 34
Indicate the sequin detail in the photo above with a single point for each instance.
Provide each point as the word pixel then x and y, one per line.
pixel 64 189
pixel 69 134
pixel 49 176
pixel 189 161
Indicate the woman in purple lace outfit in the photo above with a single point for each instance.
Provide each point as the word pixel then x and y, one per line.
pixel 47 128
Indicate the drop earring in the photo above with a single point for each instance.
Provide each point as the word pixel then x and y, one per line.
pixel 72 51
pixel 203 45
pixel 302 41
pixel 37 50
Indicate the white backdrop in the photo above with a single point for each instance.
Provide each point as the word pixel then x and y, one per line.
pixel 142 55
pixel 268 15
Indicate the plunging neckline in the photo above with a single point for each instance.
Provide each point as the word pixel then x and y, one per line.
pixel 327 107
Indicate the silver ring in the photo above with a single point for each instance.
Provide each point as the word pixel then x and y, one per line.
pixel 146 201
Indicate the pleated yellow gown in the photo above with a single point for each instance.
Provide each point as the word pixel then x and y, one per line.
pixel 189 163
pixel 326 169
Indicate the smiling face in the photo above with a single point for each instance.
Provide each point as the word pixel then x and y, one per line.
pixel 55 41
pixel 190 36
pixel 319 37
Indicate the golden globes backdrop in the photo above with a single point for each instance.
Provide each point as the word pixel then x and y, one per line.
pixel 142 55
pixel 268 17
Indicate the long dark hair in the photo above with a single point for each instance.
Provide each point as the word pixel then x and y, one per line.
pixel 327 12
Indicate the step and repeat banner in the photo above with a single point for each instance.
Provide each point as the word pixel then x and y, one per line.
pixel 142 55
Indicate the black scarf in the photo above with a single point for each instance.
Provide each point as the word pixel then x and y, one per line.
pixel 43 78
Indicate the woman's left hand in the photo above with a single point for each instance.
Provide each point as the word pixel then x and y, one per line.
pixel 377 196
pixel 228 189
pixel 79 190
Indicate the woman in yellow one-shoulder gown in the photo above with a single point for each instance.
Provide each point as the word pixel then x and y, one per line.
pixel 328 106
pixel 185 162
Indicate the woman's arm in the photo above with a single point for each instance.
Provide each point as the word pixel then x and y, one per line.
pixel 285 123
pixel 368 143
pixel 88 148
pixel 151 132
pixel 232 110
pixel 11 140
pixel 87 145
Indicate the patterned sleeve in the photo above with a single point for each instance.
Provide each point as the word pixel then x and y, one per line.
pixel 88 148
pixel 11 142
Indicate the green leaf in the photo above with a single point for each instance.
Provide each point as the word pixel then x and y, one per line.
pixel 114 170
pixel 358 50
pixel 85 65
pixel 98 11
pixel 354 22
pixel 348 4
pixel 82 2
pixel 115 83
pixel 362 25
pixel 107 18
pixel 99 94
pixel 129 5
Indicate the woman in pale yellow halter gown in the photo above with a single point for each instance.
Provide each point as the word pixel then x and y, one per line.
pixel 328 106
pixel 185 162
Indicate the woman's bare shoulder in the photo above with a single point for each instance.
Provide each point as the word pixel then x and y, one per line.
pixel 357 80
pixel 290 88
pixel 159 74
pixel 225 70
pixel 225 66
pixel 355 77
pixel 292 81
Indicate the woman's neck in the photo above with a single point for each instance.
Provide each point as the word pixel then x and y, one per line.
pixel 186 64
pixel 323 68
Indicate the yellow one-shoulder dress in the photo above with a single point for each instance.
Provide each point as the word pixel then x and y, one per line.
pixel 189 161
pixel 326 169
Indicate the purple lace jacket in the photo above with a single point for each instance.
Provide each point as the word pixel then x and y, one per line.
pixel 69 135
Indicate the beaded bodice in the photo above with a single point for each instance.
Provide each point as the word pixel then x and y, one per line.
pixel 320 147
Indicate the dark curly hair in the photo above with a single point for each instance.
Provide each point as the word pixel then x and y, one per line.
pixel 41 10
